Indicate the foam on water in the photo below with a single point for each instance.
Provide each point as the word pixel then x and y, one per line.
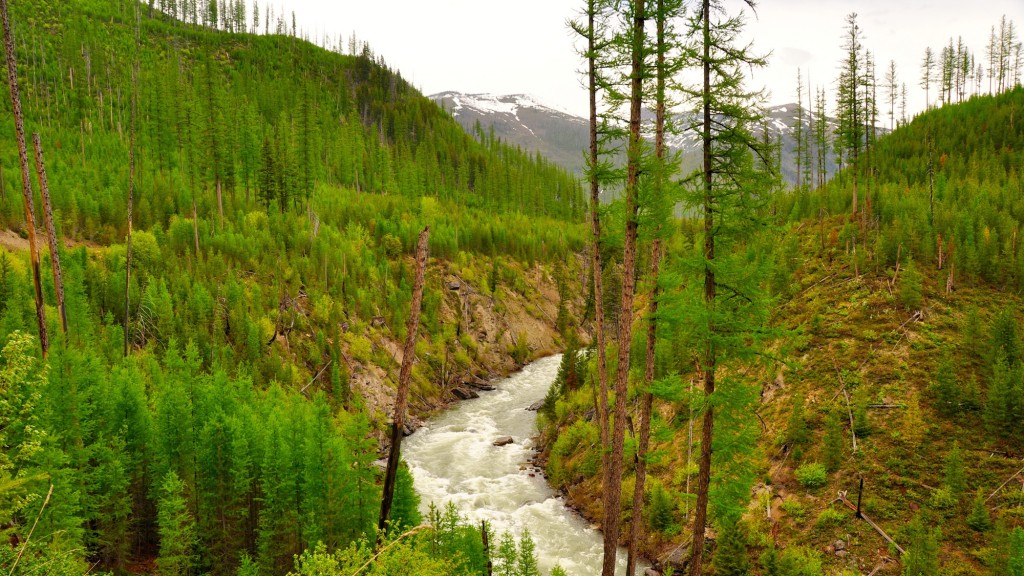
pixel 452 459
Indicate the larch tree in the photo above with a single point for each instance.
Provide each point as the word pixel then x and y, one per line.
pixel 723 310
pixel 592 32
pixel 799 133
pixel 892 92
pixel 821 136
pixel 669 60
pixel 927 74
pixel 850 133
pixel 26 178
pixel 634 43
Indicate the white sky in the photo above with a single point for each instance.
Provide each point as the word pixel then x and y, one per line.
pixel 524 46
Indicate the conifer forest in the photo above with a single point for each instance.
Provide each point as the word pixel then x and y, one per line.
pixel 262 300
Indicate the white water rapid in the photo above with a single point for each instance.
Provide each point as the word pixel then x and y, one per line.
pixel 452 459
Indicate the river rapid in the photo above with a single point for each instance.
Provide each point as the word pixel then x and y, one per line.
pixel 452 459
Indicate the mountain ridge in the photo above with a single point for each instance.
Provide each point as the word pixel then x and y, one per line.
pixel 563 137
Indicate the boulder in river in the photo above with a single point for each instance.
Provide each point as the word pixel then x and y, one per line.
pixel 535 406
pixel 478 384
pixel 464 393
pixel 503 441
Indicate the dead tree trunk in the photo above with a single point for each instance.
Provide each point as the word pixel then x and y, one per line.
pixel 26 178
pixel 131 202
pixel 51 231
pixel 613 490
pixel 401 400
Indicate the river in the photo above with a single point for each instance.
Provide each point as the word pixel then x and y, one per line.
pixel 452 459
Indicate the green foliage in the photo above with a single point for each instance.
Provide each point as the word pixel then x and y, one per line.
pixel 519 349
pixel 833 444
pixel 1004 341
pixel 731 558
pixel 791 561
pixel 405 510
pixel 946 388
pixel 811 475
pixel 405 557
pixel 661 510
pixel 922 557
pixel 910 287
pixel 955 478
pixel 526 559
pixel 979 519
pixel 177 530
pixel 831 517
pixel 796 427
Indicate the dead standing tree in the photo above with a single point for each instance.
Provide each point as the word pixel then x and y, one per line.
pixel 401 399
pixel 26 178
pixel 131 202
pixel 51 232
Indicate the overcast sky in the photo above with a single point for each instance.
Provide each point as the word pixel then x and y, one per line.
pixel 524 46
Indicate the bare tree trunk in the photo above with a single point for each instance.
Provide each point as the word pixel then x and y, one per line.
pixel 26 178
pixel 51 231
pixel 613 490
pixel 131 203
pixel 401 400
pixel 646 401
pixel 596 265
pixel 707 429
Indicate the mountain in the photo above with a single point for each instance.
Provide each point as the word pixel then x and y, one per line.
pixel 522 121
pixel 562 137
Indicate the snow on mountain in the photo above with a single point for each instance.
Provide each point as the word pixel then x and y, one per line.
pixel 522 120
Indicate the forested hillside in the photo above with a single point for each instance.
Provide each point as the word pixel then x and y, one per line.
pixel 896 360
pixel 278 192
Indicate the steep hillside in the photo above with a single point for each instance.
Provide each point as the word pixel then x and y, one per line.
pixel 278 192
pixel 902 368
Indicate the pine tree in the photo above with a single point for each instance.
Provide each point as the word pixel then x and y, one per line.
pixel 796 428
pixel 177 530
pixel 922 557
pixel 946 387
pixel 955 480
pixel 405 513
pixel 892 92
pixel 927 74
pixel 914 427
pixel 850 104
pixel 979 519
pixel 833 442
pixel 526 559
pixel 507 556
pixel 731 558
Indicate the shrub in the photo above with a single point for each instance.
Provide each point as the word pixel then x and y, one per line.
pixel 811 475
pixel 830 517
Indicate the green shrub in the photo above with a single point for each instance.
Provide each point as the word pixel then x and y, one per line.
pixel 830 517
pixel 811 475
